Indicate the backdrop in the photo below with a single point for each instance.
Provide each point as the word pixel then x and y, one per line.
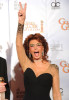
pixel 48 17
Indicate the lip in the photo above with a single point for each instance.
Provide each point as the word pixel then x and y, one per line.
pixel 36 53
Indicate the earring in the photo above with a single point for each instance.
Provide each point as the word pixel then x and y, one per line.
pixel 43 53
pixel 29 55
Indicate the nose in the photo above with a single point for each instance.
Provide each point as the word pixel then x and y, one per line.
pixel 35 47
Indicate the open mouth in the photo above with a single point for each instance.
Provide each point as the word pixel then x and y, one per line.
pixel 36 53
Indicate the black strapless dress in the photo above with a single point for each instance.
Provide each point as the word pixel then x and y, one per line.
pixel 37 88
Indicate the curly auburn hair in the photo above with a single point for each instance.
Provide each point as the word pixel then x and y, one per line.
pixel 39 38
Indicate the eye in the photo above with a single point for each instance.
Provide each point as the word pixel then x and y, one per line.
pixel 31 45
pixel 39 44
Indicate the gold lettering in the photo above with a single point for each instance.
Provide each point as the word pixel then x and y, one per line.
pixel 65 66
pixel 61 20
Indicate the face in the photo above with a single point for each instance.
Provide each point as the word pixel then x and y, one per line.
pixel 36 49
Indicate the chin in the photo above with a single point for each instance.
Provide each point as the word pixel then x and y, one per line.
pixel 37 58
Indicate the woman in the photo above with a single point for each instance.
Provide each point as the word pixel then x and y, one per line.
pixel 39 74
pixel 4 87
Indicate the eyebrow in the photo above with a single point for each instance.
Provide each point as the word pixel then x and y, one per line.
pixel 36 43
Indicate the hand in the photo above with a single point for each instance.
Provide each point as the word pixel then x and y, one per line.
pixel 22 13
pixel 2 87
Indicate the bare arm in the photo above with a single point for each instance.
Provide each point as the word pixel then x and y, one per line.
pixel 56 86
pixel 23 59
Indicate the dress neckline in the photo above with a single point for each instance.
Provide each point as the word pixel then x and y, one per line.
pixel 45 73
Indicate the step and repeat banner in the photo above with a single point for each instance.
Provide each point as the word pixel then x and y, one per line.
pixel 47 17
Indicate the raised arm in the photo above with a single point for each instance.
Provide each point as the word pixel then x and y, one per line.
pixel 23 59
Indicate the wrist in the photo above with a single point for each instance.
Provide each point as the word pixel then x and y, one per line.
pixel 20 23
pixel 20 27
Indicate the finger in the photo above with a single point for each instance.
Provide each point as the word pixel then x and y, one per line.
pixel 2 84
pixel 20 14
pixel 5 83
pixel 2 89
pixel 25 6
pixel 20 5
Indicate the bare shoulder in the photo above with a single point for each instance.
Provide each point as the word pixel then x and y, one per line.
pixel 55 69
